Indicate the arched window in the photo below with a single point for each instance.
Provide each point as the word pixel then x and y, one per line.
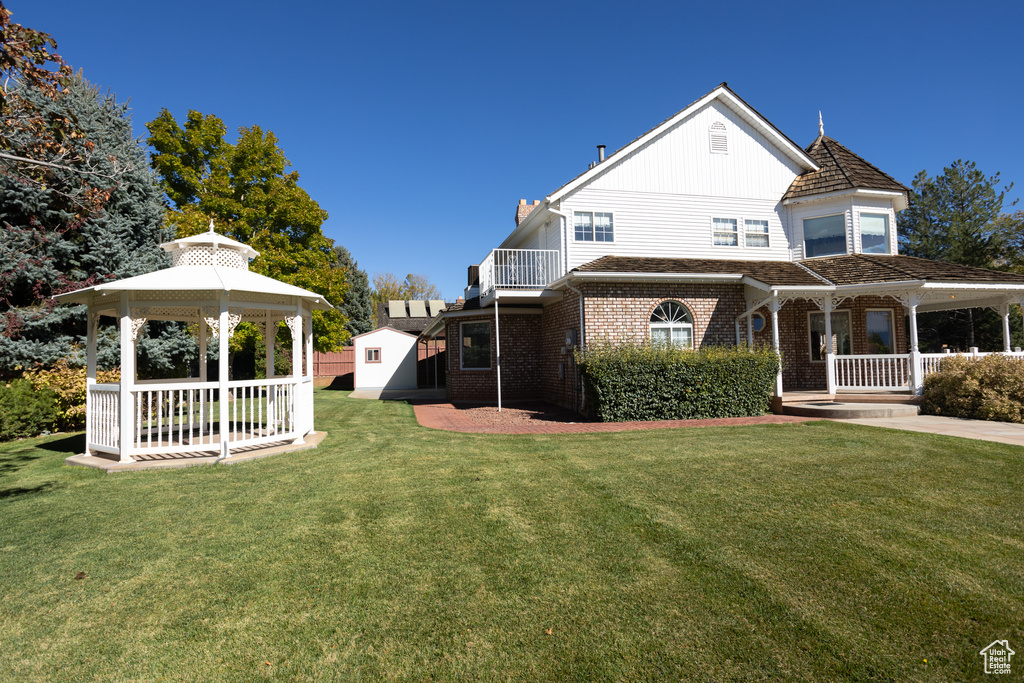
pixel 671 323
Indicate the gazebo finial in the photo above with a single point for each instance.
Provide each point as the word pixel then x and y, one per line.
pixel 211 225
pixel 821 133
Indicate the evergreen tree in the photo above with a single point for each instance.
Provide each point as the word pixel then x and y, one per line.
pixel 96 215
pixel 955 217
pixel 358 303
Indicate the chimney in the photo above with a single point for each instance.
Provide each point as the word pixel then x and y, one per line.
pixel 600 153
pixel 536 202
pixel 524 209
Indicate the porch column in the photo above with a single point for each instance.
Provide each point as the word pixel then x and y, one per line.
pixel 497 349
pixel 92 323
pixel 223 332
pixel 828 305
pixel 774 305
pixel 297 400
pixel 127 424
pixel 1004 311
pixel 202 347
pixel 750 331
pixel 269 339
pixel 916 368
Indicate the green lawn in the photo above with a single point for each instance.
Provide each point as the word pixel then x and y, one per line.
pixel 814 551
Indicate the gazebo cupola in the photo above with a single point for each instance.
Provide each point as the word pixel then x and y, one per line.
pixel 210 286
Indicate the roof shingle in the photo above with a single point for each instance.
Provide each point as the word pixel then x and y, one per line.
pixel 840 169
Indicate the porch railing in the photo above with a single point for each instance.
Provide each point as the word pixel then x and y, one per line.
pixel 932 362
pixel 518 269
pixel 884 372
pixel 103 409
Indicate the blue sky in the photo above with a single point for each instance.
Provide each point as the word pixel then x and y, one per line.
pixel 418 126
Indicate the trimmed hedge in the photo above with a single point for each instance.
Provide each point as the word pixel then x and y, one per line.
pixel 986 388
pixel 25 410
pixel 629 382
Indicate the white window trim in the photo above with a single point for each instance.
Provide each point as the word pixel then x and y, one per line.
pixel 593 226
pixel 892 325
pixel 810 349
pixel 889 222
pixel 846 234
pixel 668 325
pixel 462 347
pixel 739 238
pixel 764 322
pixel 768 234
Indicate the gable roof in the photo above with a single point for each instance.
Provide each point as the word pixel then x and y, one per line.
pixel 839 170
pixel 722 93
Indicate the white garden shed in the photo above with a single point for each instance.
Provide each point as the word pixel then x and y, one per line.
pixel 209 285
pixel 385 359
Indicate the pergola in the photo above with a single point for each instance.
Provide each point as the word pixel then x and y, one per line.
pixel 208 285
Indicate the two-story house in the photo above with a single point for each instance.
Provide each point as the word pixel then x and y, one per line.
pixel 711 228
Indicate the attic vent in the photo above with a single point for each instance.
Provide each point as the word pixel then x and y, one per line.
pixel 719 139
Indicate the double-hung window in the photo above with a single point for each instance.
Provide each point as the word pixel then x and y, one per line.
pixel 756 234
pixel 593 226
pixel 725 232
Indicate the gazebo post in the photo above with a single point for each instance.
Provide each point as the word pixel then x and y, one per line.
pixel 298 402
pixel 92 320
pixel 269 339
pixel 222 379
pixel 202 347
pixel 126 425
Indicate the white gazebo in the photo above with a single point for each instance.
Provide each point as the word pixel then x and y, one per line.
pixel 208 285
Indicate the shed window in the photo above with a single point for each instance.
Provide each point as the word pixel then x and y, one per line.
pixel 874 233
pixel 825 236
pixel 372 355
pixel 719 138
pixel 476 346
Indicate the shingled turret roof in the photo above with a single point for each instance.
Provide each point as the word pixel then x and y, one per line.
pixel 840 169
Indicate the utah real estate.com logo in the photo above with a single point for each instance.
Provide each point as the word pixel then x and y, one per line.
pixel 997 657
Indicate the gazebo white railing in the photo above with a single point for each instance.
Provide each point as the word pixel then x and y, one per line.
pixel 209 286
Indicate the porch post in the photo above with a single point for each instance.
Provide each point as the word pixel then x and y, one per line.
pixel 774 307
pixel 916 368
pixel 497 349
pixel 269 339
pixel 298 401
pixel 1005 312
pixel 126 426
pixel 750 331
pixel 222 380
pixel 92 320
pixel 830 359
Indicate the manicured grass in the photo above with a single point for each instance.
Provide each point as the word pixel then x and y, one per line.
pixel 815 551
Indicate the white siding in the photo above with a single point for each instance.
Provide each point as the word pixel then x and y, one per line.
pixel 680 162
pixel 397 366
pixel 675 226
pixel 851 207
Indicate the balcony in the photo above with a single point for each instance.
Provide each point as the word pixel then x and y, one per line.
pixel 520 273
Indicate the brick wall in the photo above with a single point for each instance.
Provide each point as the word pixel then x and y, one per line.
pixel 520 360
pixel 558 318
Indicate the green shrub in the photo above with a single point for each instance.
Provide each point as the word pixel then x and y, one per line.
pixel 658 382
pixel 986 388
pixel 68 385
pixel 25 410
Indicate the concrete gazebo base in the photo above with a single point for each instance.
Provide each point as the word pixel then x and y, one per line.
pixel 169 461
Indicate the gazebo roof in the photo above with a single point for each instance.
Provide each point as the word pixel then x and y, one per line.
pixel 201 263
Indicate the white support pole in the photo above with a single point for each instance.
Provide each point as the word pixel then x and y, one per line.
pixel 269 340
pixel 202 347
pixel 497 349
pixel 774 307
pixel 830 358
pixel 916 367
pixel 92 323
pixel 750 331
pixel 1005 312
pixel 297 340
pixel 127 425
pixel 224 376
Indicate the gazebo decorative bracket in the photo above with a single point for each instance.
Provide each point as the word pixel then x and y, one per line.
pixel 139 321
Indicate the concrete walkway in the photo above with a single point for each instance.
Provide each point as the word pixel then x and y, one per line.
pixel 399 394
pixel 1003 432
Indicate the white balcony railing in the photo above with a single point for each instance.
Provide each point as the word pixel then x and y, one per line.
pixel 518 269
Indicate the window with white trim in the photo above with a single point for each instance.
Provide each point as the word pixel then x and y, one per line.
pixel 476 346
pixel 840 334
pixel 879 330
pixel 825 235
pixel 372 355
pixel 874 233
pixel 757 322
pixel 593 226
pixel 755 233
pixel 725 232
pixel 718 137
pixel 671 323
